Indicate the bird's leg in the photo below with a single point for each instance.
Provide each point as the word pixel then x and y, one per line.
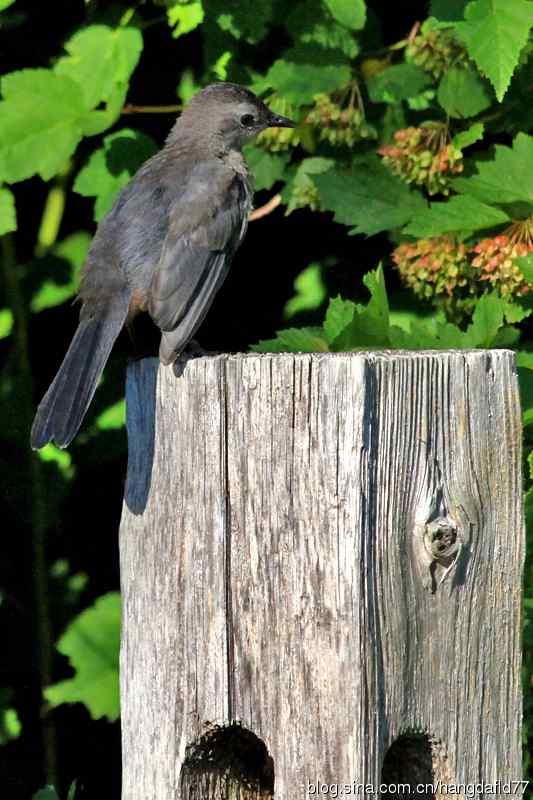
pixel 192 350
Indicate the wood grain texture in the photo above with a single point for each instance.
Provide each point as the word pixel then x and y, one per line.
pixel 330 550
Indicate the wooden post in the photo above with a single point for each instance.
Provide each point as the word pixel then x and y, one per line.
pixel 326 551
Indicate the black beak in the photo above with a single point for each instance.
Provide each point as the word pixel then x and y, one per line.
pixel 277 121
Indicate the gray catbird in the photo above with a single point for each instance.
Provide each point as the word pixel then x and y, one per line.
pixel 165 247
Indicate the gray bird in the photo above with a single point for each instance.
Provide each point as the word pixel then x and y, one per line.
pixel 165 247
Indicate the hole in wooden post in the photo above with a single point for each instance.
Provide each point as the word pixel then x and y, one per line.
pixel 413 767
pixel 227 762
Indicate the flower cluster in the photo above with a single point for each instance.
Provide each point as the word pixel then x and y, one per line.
pixel 495 261
pixel 423 156
pixel 453 275
pixel 338 124
pixel 435 50
pixel 279 139
pixel 433 267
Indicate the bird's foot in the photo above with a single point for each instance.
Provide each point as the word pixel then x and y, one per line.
pixel 192 350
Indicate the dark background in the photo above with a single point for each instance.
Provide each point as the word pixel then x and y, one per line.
pixel 84 529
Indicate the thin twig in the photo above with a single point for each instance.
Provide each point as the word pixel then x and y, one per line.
pixel 268 208
pixel 132 109
pixel 413 32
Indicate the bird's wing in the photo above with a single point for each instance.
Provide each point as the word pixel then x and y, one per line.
pixel 206 225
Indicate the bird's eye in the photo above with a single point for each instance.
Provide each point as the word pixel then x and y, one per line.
pixel 247 120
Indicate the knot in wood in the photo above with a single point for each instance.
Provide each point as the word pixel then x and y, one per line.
pixel 441 540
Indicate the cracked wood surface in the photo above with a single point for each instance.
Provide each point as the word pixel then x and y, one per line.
pixel 328 548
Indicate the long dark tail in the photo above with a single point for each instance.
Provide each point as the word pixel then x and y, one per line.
pixel 65 404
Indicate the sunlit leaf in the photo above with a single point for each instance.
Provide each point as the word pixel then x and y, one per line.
pixel 91 643
pixel 310 291
pixel 185 17
pixel 350 13
pixel 6 322
pixel 113 417
pixel 52 454
pixel 495 32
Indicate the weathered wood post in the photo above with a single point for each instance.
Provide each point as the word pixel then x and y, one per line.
pixel 327 549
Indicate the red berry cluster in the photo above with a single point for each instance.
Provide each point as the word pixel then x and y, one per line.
pixel 423 156
pixel 495 261
pixel 452 275
pixel 433 267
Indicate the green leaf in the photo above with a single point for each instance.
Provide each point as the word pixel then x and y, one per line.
pixel 468 137
pixel 6 322
pixel 267 168
pixel 38 137
pixel 243 19
pixel 300 188
pixel 8 214
pixel 530 465
pixel 303 340
pixel 293 340
pixel 370 325
pixel 462 93
pixel 51 293
pixel 458 214
pixel 486 329
pixel 427 334
pixel 5 4
pixel 221 66
pixel 525 264
pixel 48 793
pixel 518 310
pixel 52 454
pixel 339 315
pixel 499 175
pixel 110 168
pixel 100 120
pixel 10 725
pixel 369 197
pixel 507 336
pixel 525 381
pixel 397 83
pixel 494 33
pixel 394 119
pixel 350 13
pixel 524 359
pixel 187 86
pixel 304 72
pixel 317 27
pixel 447 10
pixel 486 321
pixel 185 17
pixel 112 418
pixel 91 643
pixel 99 57
pixel 310 291
pixel 423 101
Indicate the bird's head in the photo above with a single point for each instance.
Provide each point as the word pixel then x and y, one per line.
pixel 230 115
